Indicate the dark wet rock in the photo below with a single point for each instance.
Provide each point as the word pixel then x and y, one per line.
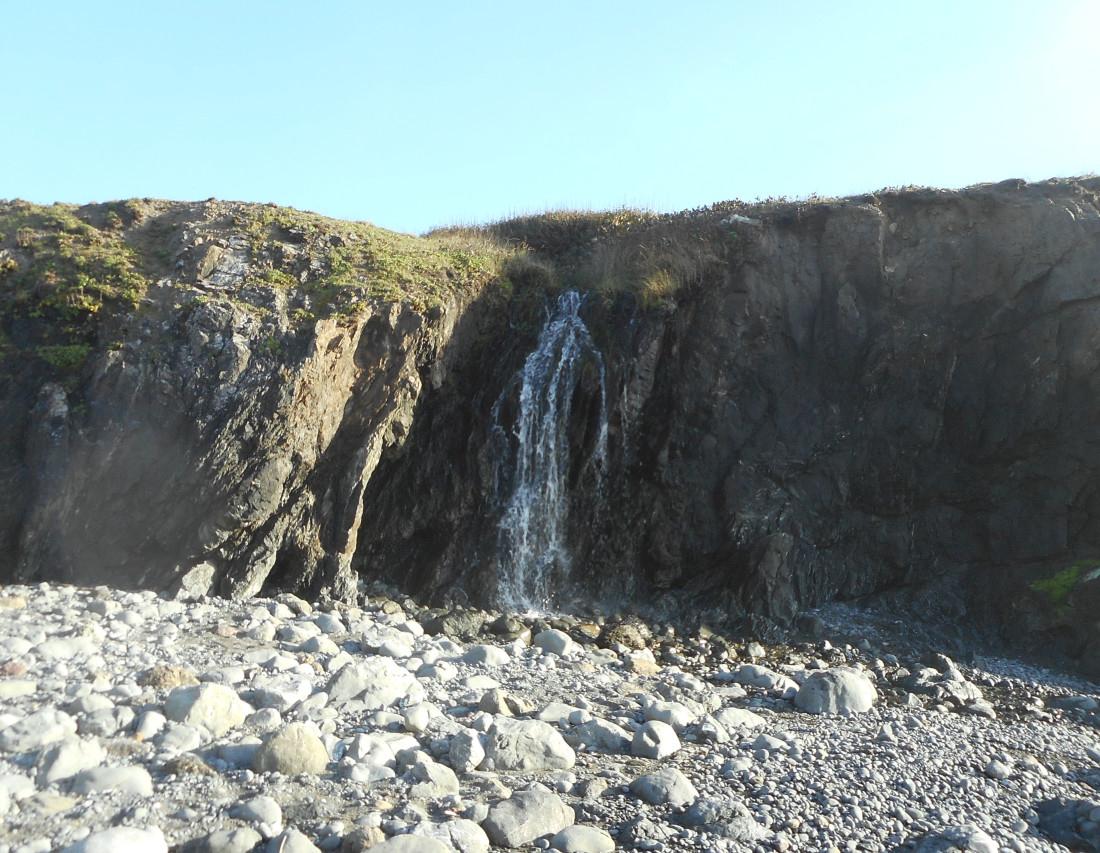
pixel 633 635
pixel 458 624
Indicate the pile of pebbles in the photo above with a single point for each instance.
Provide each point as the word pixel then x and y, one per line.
pixel 132 723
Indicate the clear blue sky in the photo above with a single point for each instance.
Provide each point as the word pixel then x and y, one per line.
pixel 419 114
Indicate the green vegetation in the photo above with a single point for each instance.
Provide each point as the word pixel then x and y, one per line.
pixel 73 268
pixel 1058 586
pixel 347 262
pixel 65 358
pixel 58 273
pixel 652 256
pixel 70 275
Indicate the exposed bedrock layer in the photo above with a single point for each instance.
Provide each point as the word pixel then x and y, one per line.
pixel 895 394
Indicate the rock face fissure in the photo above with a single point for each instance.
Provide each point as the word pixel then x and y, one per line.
pixel 533 554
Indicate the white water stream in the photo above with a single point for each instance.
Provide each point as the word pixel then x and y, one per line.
pixel 532 544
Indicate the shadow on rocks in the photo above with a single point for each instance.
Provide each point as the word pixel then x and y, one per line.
pixel 1072 823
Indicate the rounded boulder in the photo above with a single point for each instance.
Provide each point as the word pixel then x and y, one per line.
pixel 841 690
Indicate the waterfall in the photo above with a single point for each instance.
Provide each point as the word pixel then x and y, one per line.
pixel 531 546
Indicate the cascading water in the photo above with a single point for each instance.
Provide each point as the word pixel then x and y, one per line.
pixel 532 536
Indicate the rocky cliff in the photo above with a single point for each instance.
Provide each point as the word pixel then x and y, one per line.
pixel 893 394
pixel 216 422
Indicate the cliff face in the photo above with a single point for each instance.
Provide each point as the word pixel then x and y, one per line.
pixel 223 425
pixel 890 394
pixel 893 394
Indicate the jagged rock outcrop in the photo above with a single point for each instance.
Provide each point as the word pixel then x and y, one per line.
pixel 892 394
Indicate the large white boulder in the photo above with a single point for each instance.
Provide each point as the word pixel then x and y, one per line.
pixel 655 740
pixel 37 730
pixel 215 707
pixel 665 786
pixel 527 815
pixel 377 682
pixel 121 839
pixel 527 745
pixel 840 690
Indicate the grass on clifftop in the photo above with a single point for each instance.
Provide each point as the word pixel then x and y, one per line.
pixel 58 274
pixel 649 255
pixel 65 269
pixel 331 258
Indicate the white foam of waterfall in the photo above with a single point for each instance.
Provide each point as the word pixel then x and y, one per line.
pixel 532 546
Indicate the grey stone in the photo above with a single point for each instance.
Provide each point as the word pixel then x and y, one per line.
pixel 196 582
pixel 372 750
pixel 67 758
pixel 106 722
pixel 37 730
pixel 726 817
pixel 466 751
pixel 65 648
pixel 676 714
pixel 667 786
pixel 840 690
pixel 554 642
pixel 958 838
pixel 733 719
pixel 215 707
pixel 88 704
pixel 121 839
pixel 527 745
pixel 279 692
pixel 486 655
pixel 603 735
pixel 292 750
pixel 655 740
pixel 433 780
pixel 498 701
pixel 712 731
pixel 262 809
pixel 527 815
pixel 583 839
pixel 240 756
pixel 177 737
pixel 461 835
pixel 961 691
pixel 755 675
pixel 16 785
pixel 291 841
pixel 411 844
pixel 240 840
pixel 417 717
pixel 377 682
pixel 13 688
pixel 297 633
pixel 133 781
